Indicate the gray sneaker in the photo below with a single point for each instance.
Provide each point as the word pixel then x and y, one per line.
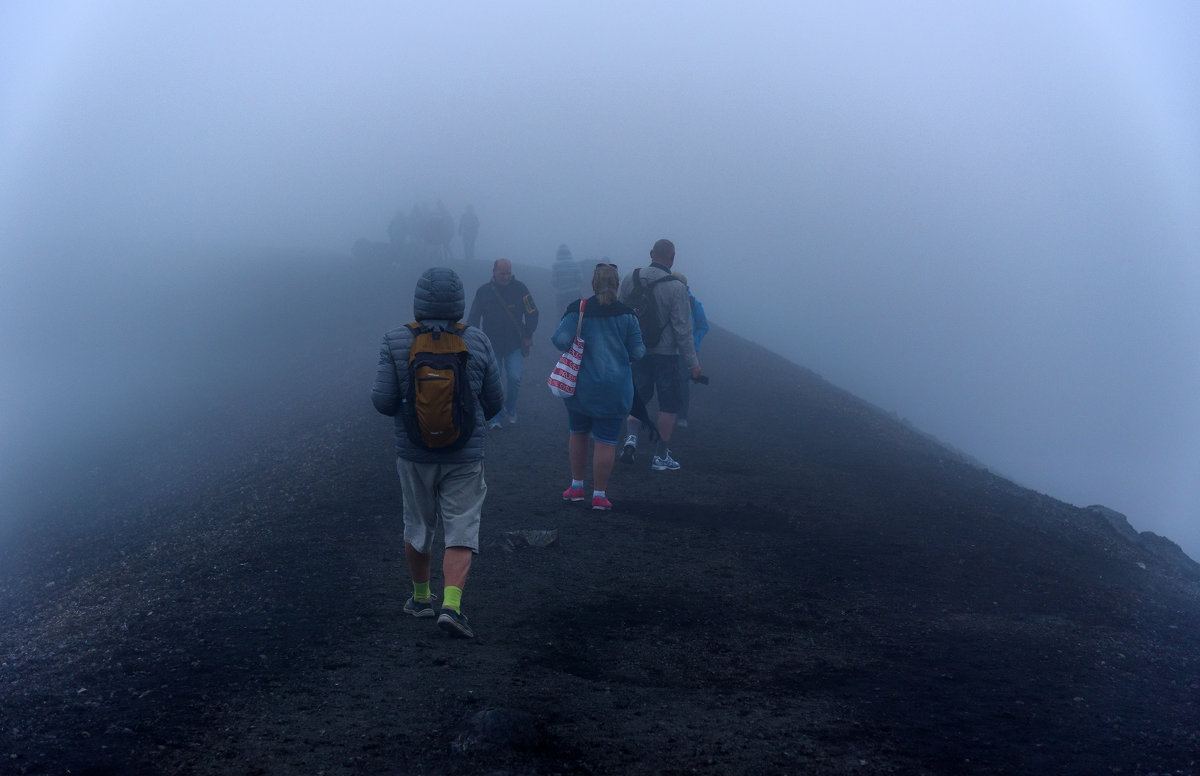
pixel 629 449
pixel 421 608
pixel 455 624
pixel 666 463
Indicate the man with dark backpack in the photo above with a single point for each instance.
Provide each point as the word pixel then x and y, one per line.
pixel 440 381
pixel 664 315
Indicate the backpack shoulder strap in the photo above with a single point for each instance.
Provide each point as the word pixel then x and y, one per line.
pixel 504 306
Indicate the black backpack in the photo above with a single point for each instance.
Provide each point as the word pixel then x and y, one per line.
pixel 645 306
pixel 440 408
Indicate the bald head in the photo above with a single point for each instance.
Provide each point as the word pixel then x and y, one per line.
pixel 502 272
pixel 663 252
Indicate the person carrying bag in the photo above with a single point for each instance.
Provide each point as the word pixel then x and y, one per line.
pixel 603 386
pixel 525 343
pixel 504 308
pixel 566 372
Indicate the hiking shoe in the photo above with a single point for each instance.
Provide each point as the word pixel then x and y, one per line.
pixel 629 450
pixel 455 624
pixel 573 494
pixel 494 424
pixel 512 419
pixel 666 463
pixel 421 608
pixel 601 503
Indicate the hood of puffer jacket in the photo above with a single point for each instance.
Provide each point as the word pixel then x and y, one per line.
pixel 439 296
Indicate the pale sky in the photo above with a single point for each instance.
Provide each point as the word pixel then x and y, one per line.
pixel 980 216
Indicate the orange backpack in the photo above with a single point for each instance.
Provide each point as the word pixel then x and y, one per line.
pixel 440 408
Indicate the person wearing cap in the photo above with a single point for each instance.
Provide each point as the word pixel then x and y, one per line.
pixel 442 486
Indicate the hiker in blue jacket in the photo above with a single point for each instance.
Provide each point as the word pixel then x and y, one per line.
pixel 604 389
pixel 699 329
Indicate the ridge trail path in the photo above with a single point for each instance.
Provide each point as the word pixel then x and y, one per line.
pixel 818 590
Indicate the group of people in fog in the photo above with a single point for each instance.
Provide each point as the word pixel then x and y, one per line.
pixel 422 235
pixel 618 375
pixel 427 232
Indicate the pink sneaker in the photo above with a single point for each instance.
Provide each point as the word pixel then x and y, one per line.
pixel 573 494
pixel 601 503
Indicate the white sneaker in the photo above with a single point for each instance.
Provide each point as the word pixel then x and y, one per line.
pixel 629 449
pixel 667 463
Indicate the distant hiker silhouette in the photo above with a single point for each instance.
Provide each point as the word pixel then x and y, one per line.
pixel 566 279
pixel 439 231
pixel 398 229
pixel 468 230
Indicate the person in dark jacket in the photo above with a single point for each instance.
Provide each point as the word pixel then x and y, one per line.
pixel 604 389
pixel 445 485
pixel 509 317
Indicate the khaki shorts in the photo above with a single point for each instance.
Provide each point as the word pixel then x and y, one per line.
pixel 450 492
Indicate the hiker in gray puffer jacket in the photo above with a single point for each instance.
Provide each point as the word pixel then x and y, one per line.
pixel 439 300
pixel 446 486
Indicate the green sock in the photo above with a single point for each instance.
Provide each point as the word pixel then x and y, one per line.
pixel 421 590
pixel 453 599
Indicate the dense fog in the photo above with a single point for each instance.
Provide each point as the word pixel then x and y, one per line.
pixel 981 217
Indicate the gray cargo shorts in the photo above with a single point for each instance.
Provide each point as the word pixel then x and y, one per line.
pixel 450 492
